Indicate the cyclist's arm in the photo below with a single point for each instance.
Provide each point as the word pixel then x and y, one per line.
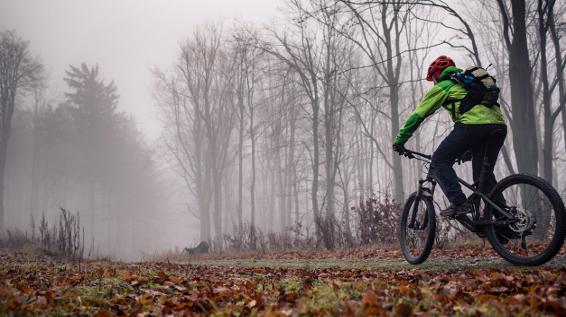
pixel 428 105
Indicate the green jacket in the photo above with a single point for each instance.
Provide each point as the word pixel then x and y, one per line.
pixel 448 93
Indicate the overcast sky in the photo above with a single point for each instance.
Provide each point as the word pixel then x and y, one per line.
pixel 125 37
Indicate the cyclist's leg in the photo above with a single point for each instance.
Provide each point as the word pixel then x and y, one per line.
pixel 452 147
pixel 488 148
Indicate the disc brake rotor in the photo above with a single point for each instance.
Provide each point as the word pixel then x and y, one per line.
pixel 524 221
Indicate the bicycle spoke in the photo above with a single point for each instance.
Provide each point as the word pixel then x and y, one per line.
pixel 534 229
pixel 417 235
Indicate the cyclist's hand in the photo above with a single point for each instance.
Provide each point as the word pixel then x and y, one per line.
pixel 399 148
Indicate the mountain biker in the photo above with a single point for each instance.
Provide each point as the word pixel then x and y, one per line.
pixel 473 131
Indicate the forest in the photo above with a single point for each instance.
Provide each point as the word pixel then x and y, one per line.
pixel 276 150
pixel 276 131
pixel 290 131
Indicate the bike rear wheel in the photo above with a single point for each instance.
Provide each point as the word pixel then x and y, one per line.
pixel 537 234
pixel 417 238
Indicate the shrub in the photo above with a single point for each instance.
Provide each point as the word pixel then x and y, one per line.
pixel 378 220
pixel 65 238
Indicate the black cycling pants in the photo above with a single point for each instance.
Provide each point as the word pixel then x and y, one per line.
pixel 483 140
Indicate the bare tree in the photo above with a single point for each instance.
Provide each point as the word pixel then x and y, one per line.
pixel 249 87
pixel 560 59
pixel 18 71
pixel 300 57
pixel 514 20
pixel 546 21
pixel 241 57
pixel 381 26
pixel 198 102
pixel 320 58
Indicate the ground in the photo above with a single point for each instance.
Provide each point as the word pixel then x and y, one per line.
pixel 462 281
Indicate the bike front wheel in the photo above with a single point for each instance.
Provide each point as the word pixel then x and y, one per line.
pixel 418 229
pixel 537 231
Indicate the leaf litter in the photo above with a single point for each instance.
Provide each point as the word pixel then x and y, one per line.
pixel 38 285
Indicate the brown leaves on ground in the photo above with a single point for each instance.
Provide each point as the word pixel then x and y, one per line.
pixel 101 288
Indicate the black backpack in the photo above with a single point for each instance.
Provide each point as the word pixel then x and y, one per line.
pixel 481 87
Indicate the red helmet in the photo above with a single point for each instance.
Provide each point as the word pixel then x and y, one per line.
pixel 439 64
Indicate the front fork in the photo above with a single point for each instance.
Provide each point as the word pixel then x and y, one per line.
pixel 422 191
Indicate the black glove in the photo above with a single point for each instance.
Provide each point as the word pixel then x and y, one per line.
pixel 399 148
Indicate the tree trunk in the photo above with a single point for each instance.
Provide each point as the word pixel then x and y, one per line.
pixel 392 79
pixel 3 153
pixel 559 70
pixel 279 182
pixel 205 220
pixel 399 193
pixel 547 151
pixel 240 167
pixel 315 168
pixel 520 75
pixel 296 195
pixel 34 212
pixel 252 183
pixel 7 110
pixel 291 174
pixel 330 170
pixel 91 204
pixel 228 203
pixel 205 197
pixel 218 211
pixel 347 227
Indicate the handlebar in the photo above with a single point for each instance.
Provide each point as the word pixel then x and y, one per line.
pixel 427 158
pixel 411 155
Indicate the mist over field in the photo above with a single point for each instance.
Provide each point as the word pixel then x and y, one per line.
pixel 125 40
pixel 252 124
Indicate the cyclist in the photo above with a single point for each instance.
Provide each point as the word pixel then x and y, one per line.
pixel 473 132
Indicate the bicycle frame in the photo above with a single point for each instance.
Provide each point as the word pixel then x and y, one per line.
pixel 471 224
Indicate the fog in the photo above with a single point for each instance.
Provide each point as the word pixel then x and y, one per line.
pixel 126 39
pixel 253 124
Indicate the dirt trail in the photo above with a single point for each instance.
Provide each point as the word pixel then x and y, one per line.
pixel 452 258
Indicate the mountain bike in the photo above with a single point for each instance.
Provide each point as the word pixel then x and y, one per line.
pixel 523 217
